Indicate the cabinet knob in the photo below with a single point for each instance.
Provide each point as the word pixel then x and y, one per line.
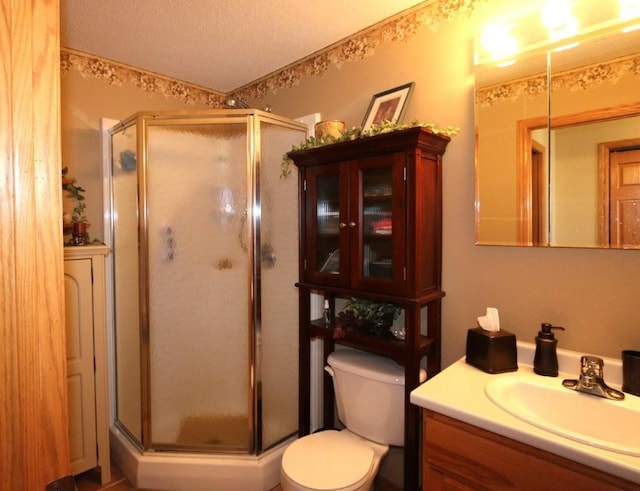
pixel 342 225
pixel 352 224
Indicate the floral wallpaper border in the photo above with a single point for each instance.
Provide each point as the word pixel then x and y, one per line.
pixel 578 79
pixel 116 74
pixel 355 48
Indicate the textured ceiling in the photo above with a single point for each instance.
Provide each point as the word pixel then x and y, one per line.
pixel 217 44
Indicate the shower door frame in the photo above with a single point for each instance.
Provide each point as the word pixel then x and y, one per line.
pixel 252 120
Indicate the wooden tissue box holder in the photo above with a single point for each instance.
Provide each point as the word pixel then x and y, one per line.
pixel 492 351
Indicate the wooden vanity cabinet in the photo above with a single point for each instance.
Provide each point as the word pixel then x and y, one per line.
pixel 371 227
pixel 459 456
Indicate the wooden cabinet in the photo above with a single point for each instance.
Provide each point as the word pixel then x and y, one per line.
pixel 459 456
pixel 371 227
pixel 86 341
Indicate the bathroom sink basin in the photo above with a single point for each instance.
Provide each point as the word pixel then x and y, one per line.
pixel 545 403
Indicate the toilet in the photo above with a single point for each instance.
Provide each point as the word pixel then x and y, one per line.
pixel 369 392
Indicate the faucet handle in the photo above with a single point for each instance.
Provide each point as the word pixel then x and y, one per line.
pixel 592 368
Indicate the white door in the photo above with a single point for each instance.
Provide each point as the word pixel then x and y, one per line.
pixel 80 364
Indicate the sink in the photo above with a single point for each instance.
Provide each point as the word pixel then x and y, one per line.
pixel 543 402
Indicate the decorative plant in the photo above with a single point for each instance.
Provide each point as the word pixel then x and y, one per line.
pixel 372 316
pixel 356 133
pixel 75 192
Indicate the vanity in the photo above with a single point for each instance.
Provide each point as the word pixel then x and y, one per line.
pixel 519 430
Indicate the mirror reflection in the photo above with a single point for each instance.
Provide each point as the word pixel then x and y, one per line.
pixel 558 146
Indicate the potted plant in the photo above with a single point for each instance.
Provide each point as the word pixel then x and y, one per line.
pixel 368 315
pixel 78 217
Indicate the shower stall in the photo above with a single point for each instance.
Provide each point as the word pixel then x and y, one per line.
pixel 203 227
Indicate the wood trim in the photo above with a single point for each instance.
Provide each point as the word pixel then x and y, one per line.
pixel 524 178
pixel 33 426
pixel 476 186
pixel 604 114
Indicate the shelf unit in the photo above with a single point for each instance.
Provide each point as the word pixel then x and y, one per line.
pixel 371 227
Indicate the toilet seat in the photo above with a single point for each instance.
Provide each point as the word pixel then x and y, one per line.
pixel 328 460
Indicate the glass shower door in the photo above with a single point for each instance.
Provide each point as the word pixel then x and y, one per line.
pixel 199 271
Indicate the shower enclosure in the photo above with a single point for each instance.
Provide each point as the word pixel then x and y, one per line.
pixel 205 260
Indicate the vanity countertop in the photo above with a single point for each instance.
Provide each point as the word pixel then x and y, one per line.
pixel 459 392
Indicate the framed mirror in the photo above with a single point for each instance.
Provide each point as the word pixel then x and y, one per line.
pixel 558 146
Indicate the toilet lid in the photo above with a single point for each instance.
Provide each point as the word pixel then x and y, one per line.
pixel 327 460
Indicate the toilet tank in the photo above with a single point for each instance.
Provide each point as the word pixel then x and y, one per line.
pixel 369 395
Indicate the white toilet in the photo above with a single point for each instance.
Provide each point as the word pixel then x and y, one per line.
pixel 369 393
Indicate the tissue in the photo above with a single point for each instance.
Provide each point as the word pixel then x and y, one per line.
pixel 490 321
pixel 489 348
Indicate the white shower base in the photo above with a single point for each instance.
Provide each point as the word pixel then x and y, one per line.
pixel 174 471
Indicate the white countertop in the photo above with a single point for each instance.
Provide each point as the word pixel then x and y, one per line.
pixel 459 392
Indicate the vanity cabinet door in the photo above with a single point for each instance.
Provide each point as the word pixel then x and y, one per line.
pixel 460 456
pixel 80 374
pixel 86 343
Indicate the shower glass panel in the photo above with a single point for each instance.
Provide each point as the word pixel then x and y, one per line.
pixel 278 266
pixel 124 210
pixel 216 338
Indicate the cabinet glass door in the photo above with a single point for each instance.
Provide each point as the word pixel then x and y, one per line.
pixel 326 227
pixel 379 250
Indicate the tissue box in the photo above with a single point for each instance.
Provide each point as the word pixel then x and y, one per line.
pixel 492 352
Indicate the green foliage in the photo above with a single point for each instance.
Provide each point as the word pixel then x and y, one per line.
pixel 75 192
pixel 356 133
pixel 371 310
pixel 368 315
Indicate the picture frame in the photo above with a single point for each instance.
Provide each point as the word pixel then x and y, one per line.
pixel 388 105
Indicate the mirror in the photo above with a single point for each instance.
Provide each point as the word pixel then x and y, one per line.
pixel 561 167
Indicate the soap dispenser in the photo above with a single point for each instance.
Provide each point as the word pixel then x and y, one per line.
pixel 545 361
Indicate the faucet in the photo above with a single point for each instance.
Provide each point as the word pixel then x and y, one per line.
pixel 592 380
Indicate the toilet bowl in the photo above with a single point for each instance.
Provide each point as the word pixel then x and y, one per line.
pixel 369 392
pixel 353 462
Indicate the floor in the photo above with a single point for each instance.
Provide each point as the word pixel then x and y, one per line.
pixel 90 481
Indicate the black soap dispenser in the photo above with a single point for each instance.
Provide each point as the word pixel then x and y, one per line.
pixel 545 361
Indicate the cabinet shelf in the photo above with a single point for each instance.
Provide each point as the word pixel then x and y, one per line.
pixel 400 300
pixel 385 345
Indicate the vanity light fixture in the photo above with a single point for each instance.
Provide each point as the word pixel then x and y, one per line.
pixel 551 25
pixel 629 9
pixel 559 20
pixel 499 42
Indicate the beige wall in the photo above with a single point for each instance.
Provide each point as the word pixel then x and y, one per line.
pixel 84 102
pixel 590 292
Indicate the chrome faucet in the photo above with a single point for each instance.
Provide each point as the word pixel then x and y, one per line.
pixel 592 380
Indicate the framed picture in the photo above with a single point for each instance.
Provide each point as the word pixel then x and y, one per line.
pixel 387 106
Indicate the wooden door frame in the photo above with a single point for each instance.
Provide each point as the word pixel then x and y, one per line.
pixel 34 423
